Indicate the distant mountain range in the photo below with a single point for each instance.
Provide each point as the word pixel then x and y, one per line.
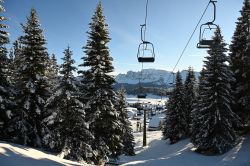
pixel 153 81
pixel 152 76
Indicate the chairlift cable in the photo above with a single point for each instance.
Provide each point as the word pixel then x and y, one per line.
pixel 145 45
pixel 143 39
pixel 145 22
pixel 183 51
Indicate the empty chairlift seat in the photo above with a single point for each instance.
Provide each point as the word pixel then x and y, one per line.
pixel 142 96
pixel 203 42
pixel 146 52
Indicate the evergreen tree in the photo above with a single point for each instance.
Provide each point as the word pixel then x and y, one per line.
pixel 99 94
pixel 197 106
pixel 16 62
pixel 217 133
pixel 5 88
pixel 32 83
pixel 52 71
pixel 11 131
pixel 127 131
pixel 237 57
pixel 69 130
pixel 189 97
pixel 10 65
pixel 175 125
pixel 245 95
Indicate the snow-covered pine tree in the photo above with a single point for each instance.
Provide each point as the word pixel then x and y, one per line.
pixel 245 95
pixel 217 133
pixel 237 49
pixel 69 131
pixel 52 71
pixel 16 63
pixel 175 125
pixel 12 131
pixel 189 97
pixel 10 65
pixel 126 127
pixel 32 83
pixel 5 88
pixel 197 105
pixel 99 93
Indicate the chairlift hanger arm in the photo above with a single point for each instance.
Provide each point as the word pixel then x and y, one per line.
pixel 143 36
pixel 145 44
pixel 213 2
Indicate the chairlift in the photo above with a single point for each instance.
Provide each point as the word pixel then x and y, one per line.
pixel 142 96
pixel 209 26
pixel 203 42
pixel 146 51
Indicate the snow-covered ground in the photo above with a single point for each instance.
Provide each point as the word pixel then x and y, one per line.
pixel 160 153
pixel 152 99
pixel 17 155
pixel 157 153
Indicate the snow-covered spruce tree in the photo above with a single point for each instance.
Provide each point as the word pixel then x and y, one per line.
pixel 197 105
pixel 175 125
pixel 32 83
pixel 237 49
pixel 11 131
pixel 245 95
pixel 10 63
pixel 189 97
pixel 99 92
pixel 126 127
pixel 216 132
pixel 52 71
pixel 17 50
pixel 69 131
pixel 5 88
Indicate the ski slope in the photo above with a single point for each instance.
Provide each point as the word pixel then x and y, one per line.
pixel 157 153
pixel 18 155
pixel 160 153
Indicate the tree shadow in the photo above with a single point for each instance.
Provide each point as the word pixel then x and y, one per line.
pixel 181 154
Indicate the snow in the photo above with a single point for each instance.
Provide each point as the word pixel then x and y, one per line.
pixel 40 100
pixel 17 155
pixel 152 99
pixel 157 153
pixel 160 153
pixel 9 114
pixel 27 104
pixel 156 121
pixel 30 86
pixel 38 111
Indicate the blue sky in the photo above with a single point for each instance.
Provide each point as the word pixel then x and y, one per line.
pixel 169 25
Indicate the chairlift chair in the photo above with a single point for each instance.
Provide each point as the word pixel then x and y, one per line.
pixel 146 51
pixel 142 96
pixel 203 42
